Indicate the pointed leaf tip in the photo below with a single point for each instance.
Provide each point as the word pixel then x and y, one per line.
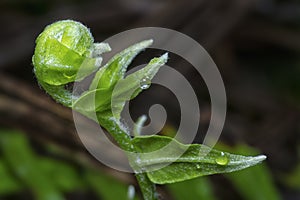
pixel 165 57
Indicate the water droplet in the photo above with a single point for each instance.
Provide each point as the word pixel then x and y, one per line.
pixel 222 159
pixel 145 83
pixel 138 160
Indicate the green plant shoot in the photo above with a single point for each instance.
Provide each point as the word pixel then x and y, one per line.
pixel 65 52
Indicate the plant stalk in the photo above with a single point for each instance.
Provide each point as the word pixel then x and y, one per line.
pixel 123 139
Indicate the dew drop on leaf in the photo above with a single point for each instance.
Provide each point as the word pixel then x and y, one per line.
pixel 138 160
pixel 145 83
pixel 222 159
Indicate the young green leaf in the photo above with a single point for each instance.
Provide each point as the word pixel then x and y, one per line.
pixel 87 104
pixel 114 70
pixel 132 85
pixel 164 164
pixel 102 99
pixel 98 97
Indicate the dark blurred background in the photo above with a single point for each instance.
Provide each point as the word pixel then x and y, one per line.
pixel 256 46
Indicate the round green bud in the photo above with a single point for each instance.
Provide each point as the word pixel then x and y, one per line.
pixel 61 50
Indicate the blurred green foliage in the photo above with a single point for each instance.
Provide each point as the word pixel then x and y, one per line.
pixel 255 182
pixel 21 169
pixel 195 189
pixel 293 178
pixel 8 183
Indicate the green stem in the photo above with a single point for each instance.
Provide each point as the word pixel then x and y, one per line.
pixel 121 136
pixel 123 139
pixel 147 187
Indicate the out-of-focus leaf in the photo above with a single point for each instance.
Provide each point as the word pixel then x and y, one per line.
pixel 106 187
pixel 293 178
pixel 8 183
pixel 196 160
pixel 63 175
pixel 24 163
pixel 255 182
pixel 169 130
pixel 195 189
